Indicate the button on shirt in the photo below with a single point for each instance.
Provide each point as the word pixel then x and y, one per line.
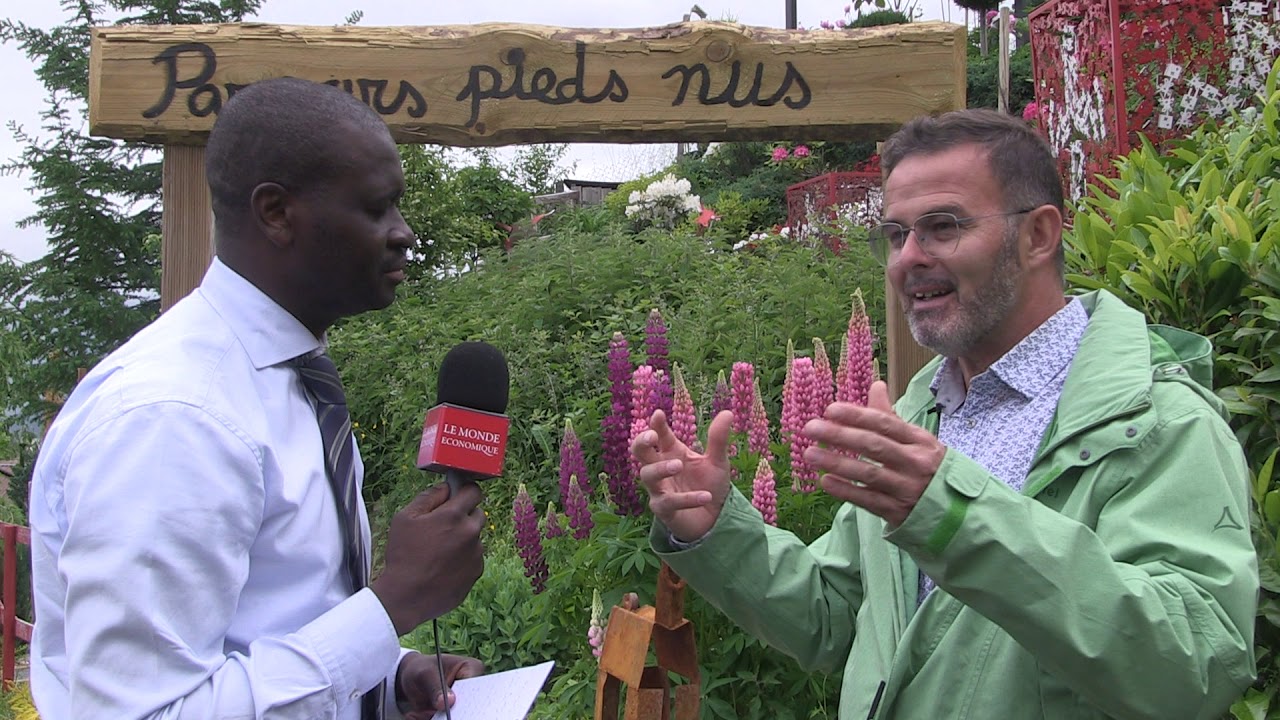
pixel 187 557
pixel 1001 419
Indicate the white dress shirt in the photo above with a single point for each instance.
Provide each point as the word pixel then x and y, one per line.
pixel 187 556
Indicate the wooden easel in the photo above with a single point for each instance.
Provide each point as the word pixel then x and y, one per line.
pixel 626 647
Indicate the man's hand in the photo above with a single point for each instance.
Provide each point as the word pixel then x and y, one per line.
pixel 887 462
pixel 433 556
pixel 418 682
pixel 686 489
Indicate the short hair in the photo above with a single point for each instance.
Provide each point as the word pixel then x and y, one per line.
pixel 282 130
pixel 1020 159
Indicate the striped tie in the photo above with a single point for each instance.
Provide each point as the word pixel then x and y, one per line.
pixel 320 377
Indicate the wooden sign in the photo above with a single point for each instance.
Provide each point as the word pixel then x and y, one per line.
pixel 498 84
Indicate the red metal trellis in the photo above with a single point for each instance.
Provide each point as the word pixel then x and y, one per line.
pixel 1110 71
pixel 847 196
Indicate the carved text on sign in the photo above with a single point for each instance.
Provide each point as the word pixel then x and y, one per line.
pixel 542 86
pixel 485 82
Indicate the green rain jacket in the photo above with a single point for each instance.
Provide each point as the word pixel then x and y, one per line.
pixel 1121 583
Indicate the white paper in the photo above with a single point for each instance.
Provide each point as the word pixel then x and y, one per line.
pixel 500 696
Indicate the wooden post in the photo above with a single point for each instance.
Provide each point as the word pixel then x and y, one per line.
pixel 9 620
pixel 1003 100
pixel 187 244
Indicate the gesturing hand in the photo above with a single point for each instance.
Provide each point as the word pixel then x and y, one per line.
pixel 686 489
pixel 887 462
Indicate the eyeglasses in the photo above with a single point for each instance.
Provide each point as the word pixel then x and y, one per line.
pixel 937 234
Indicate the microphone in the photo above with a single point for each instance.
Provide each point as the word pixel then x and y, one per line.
pixel 465 435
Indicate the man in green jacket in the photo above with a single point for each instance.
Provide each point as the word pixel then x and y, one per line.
pixel 1050 523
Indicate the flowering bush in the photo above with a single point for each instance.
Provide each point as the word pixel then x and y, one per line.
pixel 663 204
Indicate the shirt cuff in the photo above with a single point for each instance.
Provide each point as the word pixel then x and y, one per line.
pixel 357 644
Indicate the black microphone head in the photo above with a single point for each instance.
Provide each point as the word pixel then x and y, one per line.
pixel 474 375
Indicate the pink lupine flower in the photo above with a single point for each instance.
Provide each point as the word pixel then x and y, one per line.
pixel 595 631
pixel 641 386
pixel 740 384
pixel 655 342
pixel 764 493
pixel 758 427
pixel 577 509
pixel 615 428
pixel 798 409
pixel 721 399
pixel 780 154
pixel 857 379
pixel 572 460
pixel 683 422
pixel 551 527
pixel 801 151
pixel 826 384
pixel 529 540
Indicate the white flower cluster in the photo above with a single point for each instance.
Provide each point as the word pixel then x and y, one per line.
pixel 663 203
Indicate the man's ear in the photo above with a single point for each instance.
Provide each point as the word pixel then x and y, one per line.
pixel 270 205
pixel 1045 230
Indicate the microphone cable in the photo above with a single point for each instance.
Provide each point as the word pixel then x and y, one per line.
pixel 444 689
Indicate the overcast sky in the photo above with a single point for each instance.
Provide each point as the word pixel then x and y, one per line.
pixel 25 95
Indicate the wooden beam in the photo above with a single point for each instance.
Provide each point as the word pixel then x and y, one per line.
pixel 186 243
pixel 497 84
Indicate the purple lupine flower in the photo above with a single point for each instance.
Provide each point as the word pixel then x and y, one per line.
pixel 740 383
pixel 684 423
pixel 758 430
pixel 826 384
pixel 661 393
pixel 551 527
pixel 797 410
pixel 721 399
pixel 764 493
pixel 859 371
pixel 529 540
pixel 579 513
pixel 572 460
pixel 655 342
pixel 616 426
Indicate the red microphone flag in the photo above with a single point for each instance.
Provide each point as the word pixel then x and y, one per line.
pixel 460 438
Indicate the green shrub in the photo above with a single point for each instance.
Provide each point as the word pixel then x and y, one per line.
pixel 1190 238
pixel 551 305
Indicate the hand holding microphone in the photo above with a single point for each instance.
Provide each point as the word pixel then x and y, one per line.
pixel 433 553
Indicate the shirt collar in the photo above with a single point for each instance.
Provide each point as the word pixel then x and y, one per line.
pixel 269 334
pixel 1029 366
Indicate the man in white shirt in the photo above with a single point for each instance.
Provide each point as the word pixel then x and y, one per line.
pixel 188 548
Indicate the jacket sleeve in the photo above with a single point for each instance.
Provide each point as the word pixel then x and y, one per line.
pixel 1144 606
pixel 800 600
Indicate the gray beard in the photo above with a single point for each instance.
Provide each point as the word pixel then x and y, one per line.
pixel 976 319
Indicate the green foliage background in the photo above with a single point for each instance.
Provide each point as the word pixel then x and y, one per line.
pixel 1190 237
